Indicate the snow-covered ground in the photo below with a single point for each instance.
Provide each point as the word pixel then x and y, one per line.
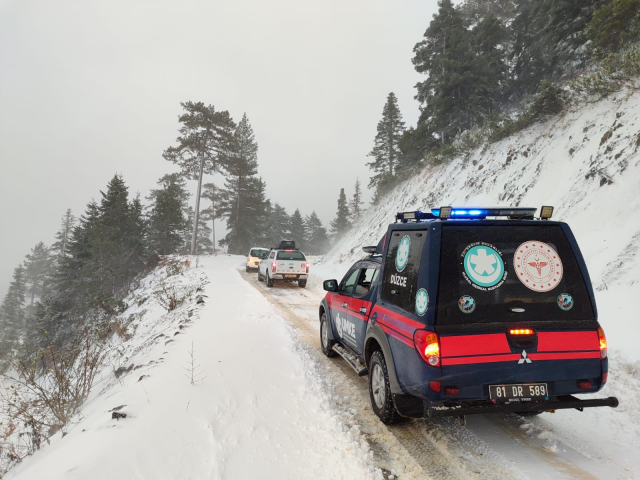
pixel 259 409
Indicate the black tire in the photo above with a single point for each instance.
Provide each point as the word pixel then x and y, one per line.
pixel 248 269
pixel 325 343
pixel 260 277
pixel 269 280
pixel 302 283
pixel 380 390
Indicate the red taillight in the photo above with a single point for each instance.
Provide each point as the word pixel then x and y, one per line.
pixel 603 343
pixel 288 251
pixel 450 391
pixel 434 385
pixel 307 267
pixel 584 384
pixel 521 331
pixel 605 375
pixel 427 345
pixel 273 267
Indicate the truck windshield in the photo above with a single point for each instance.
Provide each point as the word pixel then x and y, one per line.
pixel 510 273
pixel 290 255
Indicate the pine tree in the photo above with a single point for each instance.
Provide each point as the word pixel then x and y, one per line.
pixel 204 145
pixel 203 242
pixel 613 26
pixel 12 313
pixel 340 225
pixel 167 214
pixel 242 200
pixel 37 270
pixel 316 240
pixel 211 193
pixel 298 230
pixel 385 150
pixel 355 205
pixel 456 95
pixel 62 236
pixel 278 226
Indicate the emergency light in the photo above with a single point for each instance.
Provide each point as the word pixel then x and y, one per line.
pixel 480 213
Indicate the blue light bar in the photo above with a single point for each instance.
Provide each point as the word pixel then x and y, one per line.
pixel 481 213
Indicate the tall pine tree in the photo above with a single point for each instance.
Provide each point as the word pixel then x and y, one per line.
pixel 298 230
pixel 355 205
pixel 167 214
pixel 12 314
pixel 37 271
pixel 317 239
pixel 385 150
pixel 61 244
pixel 211 193
pixel 341 224
pixel 204 145
pixel 278 226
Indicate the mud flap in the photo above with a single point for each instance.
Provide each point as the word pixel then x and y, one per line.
pixel 409 406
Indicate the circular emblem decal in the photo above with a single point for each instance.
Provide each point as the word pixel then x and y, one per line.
pixel 402 257
pixel 538 266
pixel 466 304
pixel 565 302
pixel 483 266
pixel 422 301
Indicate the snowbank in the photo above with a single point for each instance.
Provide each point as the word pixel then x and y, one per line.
pixel 257 409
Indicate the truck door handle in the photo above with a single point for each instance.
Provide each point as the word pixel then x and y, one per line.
pixel 344 304
pixel 363 310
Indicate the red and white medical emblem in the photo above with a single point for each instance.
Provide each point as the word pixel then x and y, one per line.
pixel 538 266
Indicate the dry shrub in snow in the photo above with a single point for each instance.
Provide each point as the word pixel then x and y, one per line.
pixel 40 396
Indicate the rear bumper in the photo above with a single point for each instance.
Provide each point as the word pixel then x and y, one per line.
pixel 280 276
pixel 556 403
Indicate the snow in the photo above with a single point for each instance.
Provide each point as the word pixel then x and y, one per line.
pixel 267 404
pixel 260 410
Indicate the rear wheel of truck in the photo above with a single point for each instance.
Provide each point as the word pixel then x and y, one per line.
pixel 380 389
pixel 302 283
pixel 325 343
pixel 269 281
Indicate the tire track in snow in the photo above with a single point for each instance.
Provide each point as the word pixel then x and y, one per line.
pixel 415 447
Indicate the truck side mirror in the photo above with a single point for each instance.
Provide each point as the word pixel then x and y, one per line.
pixel 330 285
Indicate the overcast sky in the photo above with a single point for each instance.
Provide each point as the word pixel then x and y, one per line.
pixel 91 88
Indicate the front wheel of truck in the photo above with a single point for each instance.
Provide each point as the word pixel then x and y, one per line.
pixel 380 390
pixel 325 343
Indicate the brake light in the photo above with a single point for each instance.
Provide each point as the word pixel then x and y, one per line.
pixel 605 375
pixel 520 331
pixel 583 384
pixel 288 251
pixel 450 391
pixel 428 347
pixel 307 267
pixel 273 267
pixel 603 343
pixel 434 385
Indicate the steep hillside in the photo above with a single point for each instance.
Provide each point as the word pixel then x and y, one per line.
pixel 585 162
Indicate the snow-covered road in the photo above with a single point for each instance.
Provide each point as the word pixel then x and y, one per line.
pixel 567 444
pixel 267 404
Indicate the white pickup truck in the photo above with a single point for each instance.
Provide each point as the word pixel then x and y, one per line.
pixel 284 265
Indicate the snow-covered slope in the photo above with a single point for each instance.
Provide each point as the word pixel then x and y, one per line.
pixel 258 408
pixel 586 163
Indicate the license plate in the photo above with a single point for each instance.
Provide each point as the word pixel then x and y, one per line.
pixel 519 392
pixel 256 263
pixel 290 276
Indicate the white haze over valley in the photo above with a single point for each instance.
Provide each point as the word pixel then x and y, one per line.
pixel 89 89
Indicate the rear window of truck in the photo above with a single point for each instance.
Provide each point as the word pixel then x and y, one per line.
pixel 259 253
pixel 294 255
pixel 511 274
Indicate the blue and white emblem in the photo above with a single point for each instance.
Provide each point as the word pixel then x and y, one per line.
pixel 483 266
pixel 565 302
pixel 402 256
pixel 422 302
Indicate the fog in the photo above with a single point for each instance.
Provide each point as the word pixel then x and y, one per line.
pixel 89 89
